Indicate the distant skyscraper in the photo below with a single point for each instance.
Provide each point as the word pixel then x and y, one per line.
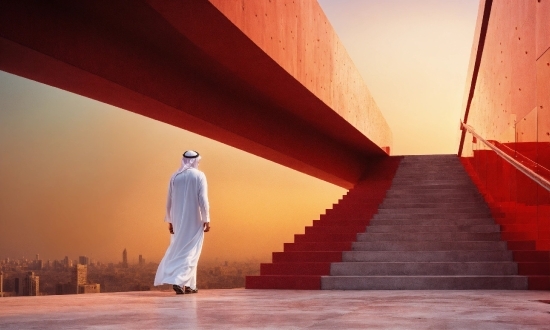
pixel 124 258
pixel 27 286
pixel 83 260
pixel 1 284
pixel 32 284
pixel 37 257
pixel 67 263
pixel 141 260
pixel 79 276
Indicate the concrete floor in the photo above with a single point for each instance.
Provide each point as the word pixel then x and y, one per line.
pixel 277 309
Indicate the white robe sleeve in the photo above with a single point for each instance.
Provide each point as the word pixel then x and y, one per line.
pixel 203 199
pixel 167 217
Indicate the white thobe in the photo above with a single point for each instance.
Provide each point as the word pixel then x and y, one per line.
pixel 187 210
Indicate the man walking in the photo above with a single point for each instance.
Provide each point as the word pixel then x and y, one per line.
pixel 187 214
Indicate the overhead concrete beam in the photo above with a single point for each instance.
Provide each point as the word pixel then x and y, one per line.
pixel 209 68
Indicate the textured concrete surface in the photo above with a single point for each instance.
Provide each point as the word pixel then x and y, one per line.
pixel 281 309
pixel 288 31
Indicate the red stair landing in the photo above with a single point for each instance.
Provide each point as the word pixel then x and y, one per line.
pixel 303 262
pixel 524 236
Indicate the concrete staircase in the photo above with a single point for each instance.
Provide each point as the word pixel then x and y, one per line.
pixel 433 231
pixel 302 263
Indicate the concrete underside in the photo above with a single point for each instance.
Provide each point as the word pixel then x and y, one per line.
pixel 281 309
pixel 260 79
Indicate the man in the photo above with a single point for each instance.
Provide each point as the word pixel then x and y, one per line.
pixel 188 219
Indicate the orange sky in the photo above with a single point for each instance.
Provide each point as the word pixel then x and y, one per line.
pixel 413 56
pixel 79 177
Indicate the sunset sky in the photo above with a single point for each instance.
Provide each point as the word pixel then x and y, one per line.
pixel 79 177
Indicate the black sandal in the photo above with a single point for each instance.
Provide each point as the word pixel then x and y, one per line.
pixel 189 290
pixel 178 289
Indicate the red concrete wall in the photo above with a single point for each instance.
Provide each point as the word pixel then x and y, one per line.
pixel 516 44
pixel 187 64
pixel 507 101
pixel 299 37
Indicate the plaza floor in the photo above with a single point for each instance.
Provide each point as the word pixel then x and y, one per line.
pixel 280 309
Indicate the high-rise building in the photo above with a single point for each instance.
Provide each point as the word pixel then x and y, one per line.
pixel 27 286
pixel 79 282
pixel 32 283
pixel 124 258
pixel 83 260
pixel 79 276
pixel 67 263
pixel 141 260
pixel 1 284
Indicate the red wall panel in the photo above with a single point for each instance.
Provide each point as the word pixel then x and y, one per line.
pixel 510 107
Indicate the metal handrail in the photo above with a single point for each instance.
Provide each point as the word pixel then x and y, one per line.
pixel 543 182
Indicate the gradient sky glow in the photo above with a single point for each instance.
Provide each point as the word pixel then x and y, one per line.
pixel 79 177
pixel 413 56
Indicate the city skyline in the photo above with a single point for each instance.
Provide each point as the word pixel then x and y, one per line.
pixel 80 259
pixel 24 277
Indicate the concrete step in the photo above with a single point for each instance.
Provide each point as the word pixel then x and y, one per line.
pixel 426 256
pixel 402 193
pixel 325 237
pixel 428 236
pixel 464 187
pixel 461 178
pixel 431 222
pixel 431 192
pixel 485 282
pixel 397 204
pixel 455 179
pixel 296 268
pixel 455 182
pixel 335 229
pixel 413 210
pixel 315 256
pixel 362 223
pixel 317 246
pixel 442 203
pixel 420 216
pixel 422 268
pixel 432 229
pixel 427 246
pixel 432 200
pixel 429 174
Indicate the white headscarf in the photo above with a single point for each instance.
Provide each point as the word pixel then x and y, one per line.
pixel 189 160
